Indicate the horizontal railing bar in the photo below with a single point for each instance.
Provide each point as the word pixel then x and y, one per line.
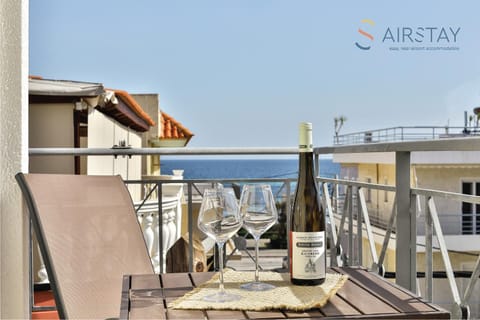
pixel 195 181
pixel 450 144
pixel 161 151
pixel 367 185
pixel 416 191
pixel 435 275
pixel 446 194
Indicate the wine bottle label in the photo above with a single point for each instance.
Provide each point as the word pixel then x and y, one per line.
pixel 308 255
pixel 305 137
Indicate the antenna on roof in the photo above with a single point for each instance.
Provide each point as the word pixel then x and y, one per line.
pixel 339 124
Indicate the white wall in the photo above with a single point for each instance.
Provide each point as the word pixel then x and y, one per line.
pixel 445 157
pixel 365 157
pixel 14 287
pixel 446 178
pixel 423 157
pixel 100 135
pixel 104 132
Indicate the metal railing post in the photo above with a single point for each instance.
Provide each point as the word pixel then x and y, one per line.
pixel 289 214
pixel 459 311
pixel 368 228
pixel 405 265
pixel 380 268
pixel 160 226
pixel 190 227
pixel 359 254
pixel 331 220
pixel 350 225
pixel 341 229
pixel 471 283
pixel 428 252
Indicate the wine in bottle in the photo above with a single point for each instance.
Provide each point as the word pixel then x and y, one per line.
pixel 307 235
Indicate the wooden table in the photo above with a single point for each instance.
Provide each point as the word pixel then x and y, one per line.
pixel 364 295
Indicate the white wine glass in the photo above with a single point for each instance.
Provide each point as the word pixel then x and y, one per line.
pixel 219 218
pixel 259 213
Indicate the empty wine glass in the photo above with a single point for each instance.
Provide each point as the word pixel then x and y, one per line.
pixel 259 213
pixel 219 218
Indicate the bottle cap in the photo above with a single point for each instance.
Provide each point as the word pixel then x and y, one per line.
pixel 305 137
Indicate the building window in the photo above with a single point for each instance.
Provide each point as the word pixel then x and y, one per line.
pixel 470 211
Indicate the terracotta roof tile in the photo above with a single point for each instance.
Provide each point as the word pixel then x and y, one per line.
pixel 172 129
pixel 125 110
pixel 128 99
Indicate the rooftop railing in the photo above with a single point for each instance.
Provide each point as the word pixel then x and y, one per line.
pixel 348 222
pixel 411 133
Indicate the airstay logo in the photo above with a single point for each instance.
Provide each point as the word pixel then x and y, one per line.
pixel 422 34
pixel 409 38
pixel 366 35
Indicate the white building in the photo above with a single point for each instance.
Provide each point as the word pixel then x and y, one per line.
pixel 450 171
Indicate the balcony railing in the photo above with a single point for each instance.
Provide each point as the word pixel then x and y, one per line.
pixel 396 134
pixel 348 216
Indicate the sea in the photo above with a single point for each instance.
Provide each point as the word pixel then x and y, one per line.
pixel 242 168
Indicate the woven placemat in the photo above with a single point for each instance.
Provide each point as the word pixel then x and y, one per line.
pixel 285 296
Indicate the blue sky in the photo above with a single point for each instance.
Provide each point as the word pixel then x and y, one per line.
pixel 245 73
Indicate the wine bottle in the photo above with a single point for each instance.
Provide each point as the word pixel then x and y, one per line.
pixel 307 235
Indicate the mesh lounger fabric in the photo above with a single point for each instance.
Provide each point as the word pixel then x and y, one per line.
pixel 89 238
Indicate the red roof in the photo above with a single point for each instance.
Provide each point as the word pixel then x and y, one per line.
pixel 128 112
pixel 128 99
pixel 172 129
pixel 125 109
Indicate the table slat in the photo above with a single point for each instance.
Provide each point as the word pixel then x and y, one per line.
pixel 146 298
pixel 336 306
pixel 201 277
pixel 265 315
pixel 362 300
pixel 124 303
pixel 185 314
pixel 147 308
pixel 303 315
pixel 225 314
pixel 388 292
pixel 145 281
pixel 176 280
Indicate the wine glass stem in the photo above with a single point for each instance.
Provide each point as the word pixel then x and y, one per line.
pixel 256 259
pixel 220 266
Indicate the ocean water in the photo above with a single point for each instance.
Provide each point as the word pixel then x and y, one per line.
pixel 242 168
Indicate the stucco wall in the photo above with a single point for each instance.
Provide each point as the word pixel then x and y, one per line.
pixel 446 178
pixel 438 177
pixel 14 287
pixel 379 202
pixel 51 125
pixel 151 104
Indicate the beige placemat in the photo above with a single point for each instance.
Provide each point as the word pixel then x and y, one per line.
pixel 285 296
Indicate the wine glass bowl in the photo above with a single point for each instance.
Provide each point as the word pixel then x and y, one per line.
pixel 259 213
pixel 219 218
